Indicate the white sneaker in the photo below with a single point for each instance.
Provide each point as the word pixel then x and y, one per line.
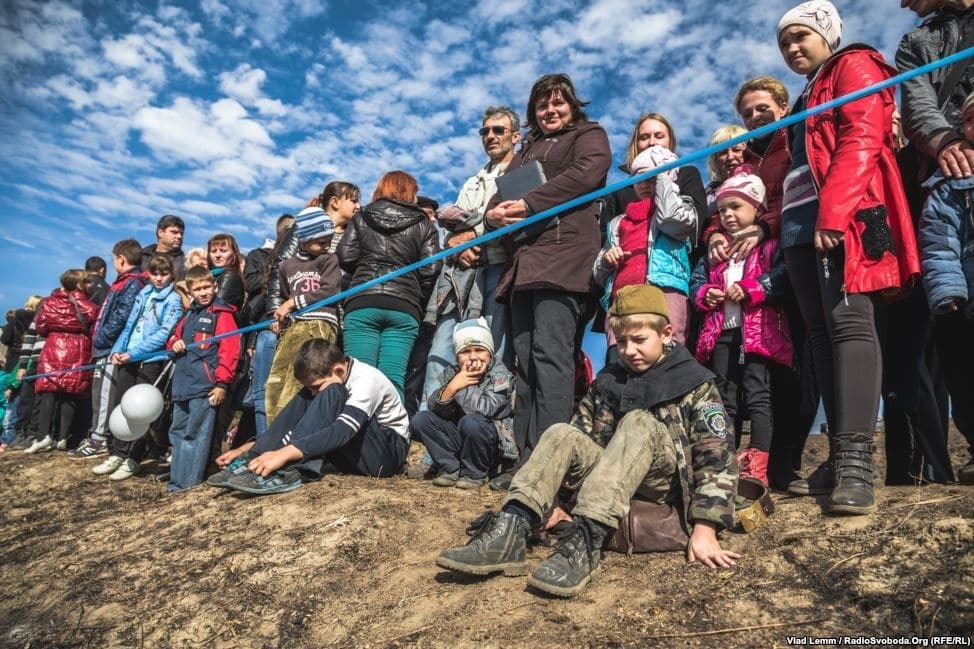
pixel 126 470
pixel 62 445
pixel 108 466
pixel 40 445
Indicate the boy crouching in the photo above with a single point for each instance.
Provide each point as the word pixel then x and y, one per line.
pixel 348 414
pixel 651 425
pixel 467 428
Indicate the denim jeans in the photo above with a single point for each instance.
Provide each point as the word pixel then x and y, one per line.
pixel 441 351
pixel 260 367
pixel 190 433
pixel 10 420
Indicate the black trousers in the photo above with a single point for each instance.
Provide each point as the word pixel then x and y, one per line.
pixel 544 326
pixel 744 379
pixel 955 345
pixel 842 337
pixel 914 408
pixel 795 397
pixel 127 376
pixel 469 445
pixel 372 451
pixel 56 406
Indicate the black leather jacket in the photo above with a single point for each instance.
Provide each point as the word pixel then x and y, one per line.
pixel 230 288
pixel 286 248
pixel 387 235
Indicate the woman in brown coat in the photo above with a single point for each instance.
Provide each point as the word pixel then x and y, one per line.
pixel 547 284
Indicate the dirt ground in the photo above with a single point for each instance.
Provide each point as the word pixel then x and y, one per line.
pixel 349 562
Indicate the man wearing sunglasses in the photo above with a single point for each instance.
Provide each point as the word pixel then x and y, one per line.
pixel 499 132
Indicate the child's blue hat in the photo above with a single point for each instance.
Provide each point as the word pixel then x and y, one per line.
pixel 313 223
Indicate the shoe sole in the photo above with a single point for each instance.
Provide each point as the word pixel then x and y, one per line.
pixel 264 491
pixel 120 478
pixel 82 458
pixel 220 484
pixel 559 591
pixel 802 491
pixel 855 510
pixel 509 569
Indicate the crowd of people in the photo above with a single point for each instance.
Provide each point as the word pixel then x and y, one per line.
pixel 792 277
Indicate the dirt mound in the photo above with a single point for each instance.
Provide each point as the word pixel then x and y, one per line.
pixel 349 562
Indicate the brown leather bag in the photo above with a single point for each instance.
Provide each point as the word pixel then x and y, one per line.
pixel 649 527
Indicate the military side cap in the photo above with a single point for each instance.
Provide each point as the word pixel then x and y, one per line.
pixel 641 298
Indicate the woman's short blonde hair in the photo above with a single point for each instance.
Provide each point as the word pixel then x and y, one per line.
pixel 722 134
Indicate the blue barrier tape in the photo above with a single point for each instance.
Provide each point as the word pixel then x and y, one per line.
pixel 575 202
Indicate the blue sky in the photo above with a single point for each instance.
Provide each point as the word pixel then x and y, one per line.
pixel 229 114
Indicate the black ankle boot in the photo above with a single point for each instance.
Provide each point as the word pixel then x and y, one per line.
pixel 821 480
pixel 576 556
pixel 853 492
pixel 498 543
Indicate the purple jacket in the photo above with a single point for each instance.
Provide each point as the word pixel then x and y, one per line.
pixel 765 327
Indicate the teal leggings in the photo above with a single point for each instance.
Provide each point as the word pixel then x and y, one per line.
pixel 382 339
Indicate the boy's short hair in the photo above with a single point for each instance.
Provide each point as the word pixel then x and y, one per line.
pixel 197 274
pixel 772 86
pixel 95 264
pixel 316 358
pixel 160 264
pixel 73 279
pixel 169 221
pixel 620 324
pixel 130 250
pixel 968 102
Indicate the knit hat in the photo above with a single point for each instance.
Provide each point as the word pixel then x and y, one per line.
pixel 313 223
pixel 654 156
pixel 745 184
pixel 820 16
pixel 472 333
pixel 968 103
pixel 639 298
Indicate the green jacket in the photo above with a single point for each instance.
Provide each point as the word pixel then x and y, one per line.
pixel 680 393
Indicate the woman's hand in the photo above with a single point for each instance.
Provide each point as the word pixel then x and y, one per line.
pixel 745 241
pixel 615 256
pixel 826 240
pixel 507 212
pixel 718 249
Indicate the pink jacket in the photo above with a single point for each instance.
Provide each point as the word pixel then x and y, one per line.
pixel 765 327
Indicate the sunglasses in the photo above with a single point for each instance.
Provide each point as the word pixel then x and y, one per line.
pixel 496 130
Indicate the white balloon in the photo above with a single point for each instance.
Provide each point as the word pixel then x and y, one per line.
pixel 125 429
pixel 142 403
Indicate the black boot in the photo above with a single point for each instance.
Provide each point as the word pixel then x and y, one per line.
pixel 498 544
pixel 576 556
pixel 821 480
pixel 853 492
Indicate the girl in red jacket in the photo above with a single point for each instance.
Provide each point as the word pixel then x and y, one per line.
pixel 846 235
pixel 66 319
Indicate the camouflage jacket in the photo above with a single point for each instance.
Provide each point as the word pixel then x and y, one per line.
pixel 680 393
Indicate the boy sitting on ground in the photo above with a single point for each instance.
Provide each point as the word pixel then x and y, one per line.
pixel 348 414
pixel 631 435
pixel 468 424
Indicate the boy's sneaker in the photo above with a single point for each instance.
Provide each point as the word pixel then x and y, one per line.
pixel 88 450
pixel 40 445
pixel 20 442
pixel 447 479
pixel 498 543
pixel 570 567
pixel 108 466
pixel 281 481
pixel 965 474
pixel 466 482
pixel 237 467
pixel 62 444
pixel 126 470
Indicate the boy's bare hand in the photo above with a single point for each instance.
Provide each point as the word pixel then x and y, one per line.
pixel 269 462
pixel 121 359
pixel 284 310
pixel 232 455
pixel 217 395
pixel 179 347
pixel 705 548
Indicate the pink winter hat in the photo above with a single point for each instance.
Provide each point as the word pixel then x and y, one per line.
pixel 654 156
pixel 745 184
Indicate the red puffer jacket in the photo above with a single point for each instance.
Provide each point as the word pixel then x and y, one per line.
pixel 68 342
pixel 860 192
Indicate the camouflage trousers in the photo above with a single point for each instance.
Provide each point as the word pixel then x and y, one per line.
pixel 281 385
pixel 640 459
